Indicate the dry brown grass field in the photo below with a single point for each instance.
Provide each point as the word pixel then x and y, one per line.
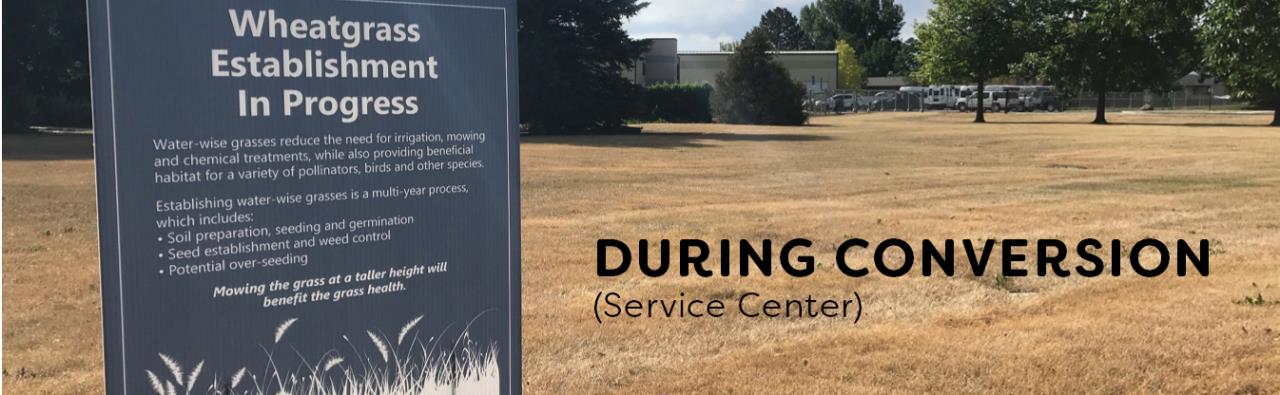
pixel 908 175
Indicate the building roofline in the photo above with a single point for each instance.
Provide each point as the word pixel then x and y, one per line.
pixel 773 52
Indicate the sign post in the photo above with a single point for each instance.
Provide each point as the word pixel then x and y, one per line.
pixel 312 197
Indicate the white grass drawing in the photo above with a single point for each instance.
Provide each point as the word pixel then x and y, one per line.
pixel 435 366
pixel 284 327
pixel 405 330
pixel 173 367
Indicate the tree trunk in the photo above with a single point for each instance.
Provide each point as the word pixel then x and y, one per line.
pixel 980 119
pixel 1100 116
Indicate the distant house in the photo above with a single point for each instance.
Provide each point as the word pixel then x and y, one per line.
pixel 663 63
pixel 1195 83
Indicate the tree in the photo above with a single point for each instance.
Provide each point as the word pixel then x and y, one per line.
pixel 971 40
pixel 860 22
pixel 46 52
pixel 782 29
pixel 905 63
pixel 571 57
pixel 755 89
pixel 881 57
pixel 1241 45
pixel 848 70
pixel 729 46
pixel 870 26
pixel 1106 45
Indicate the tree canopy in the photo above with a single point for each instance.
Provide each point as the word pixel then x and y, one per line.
pixel 870 26
pixel 782 29
pixel 755 89
pixel 571 57
pixel 46 72
pixel 859 22
pixel 971 40
pixel 1114 45
pixel 1241 41
pixel 906 62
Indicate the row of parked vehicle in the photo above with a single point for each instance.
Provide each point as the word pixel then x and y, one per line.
pixel 950 97
pixel 879 100
pixel 1010 101
pixel 1005 100
pixel 994 97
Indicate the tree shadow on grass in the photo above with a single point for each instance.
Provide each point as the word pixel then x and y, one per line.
pixel 1131 123
pixel 46 146
pixel 666 140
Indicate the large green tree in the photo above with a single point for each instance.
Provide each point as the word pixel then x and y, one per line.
pixel 971 40
pixel 870 26
pixel 46 70
pixel 782 29
pixel 755 89
pixel 1241 41
pixel 571 56
pixel 1116 45
pixel 906 63
pixel 885 57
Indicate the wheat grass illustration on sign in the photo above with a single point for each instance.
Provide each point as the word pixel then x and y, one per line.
pixel 376 366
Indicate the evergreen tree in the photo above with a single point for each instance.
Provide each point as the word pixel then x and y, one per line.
pixel 755 89
pixel 870 26
pixel 905 60
pixel 571 57
pixel 46 52
pixel 782 29
pixel 881 57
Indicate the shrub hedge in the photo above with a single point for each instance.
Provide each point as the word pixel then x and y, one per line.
pixel 680 103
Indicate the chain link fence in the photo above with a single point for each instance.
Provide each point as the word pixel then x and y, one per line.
pixel 1175 100
pixel 845 101
pixel 851 101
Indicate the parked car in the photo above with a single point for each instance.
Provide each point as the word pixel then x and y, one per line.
pixel 969 103
pixel 1041 100
pixel 896 101
pixel 994 101
pixel 841 102
pixel 1009 101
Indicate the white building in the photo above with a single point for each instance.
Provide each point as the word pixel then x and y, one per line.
pixel 663 63
pixel 660 64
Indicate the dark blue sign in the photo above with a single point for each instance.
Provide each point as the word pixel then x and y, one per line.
pixel 308 197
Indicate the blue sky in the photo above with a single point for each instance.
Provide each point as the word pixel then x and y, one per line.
pixel 703 24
